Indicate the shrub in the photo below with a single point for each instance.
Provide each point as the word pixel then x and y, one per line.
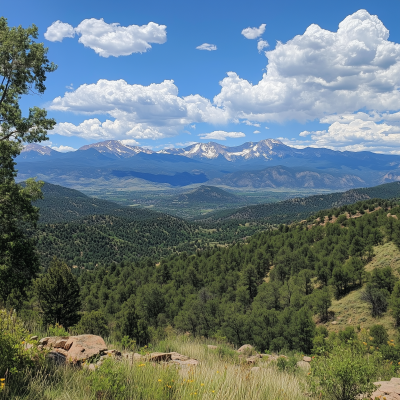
pixel 379 334
pixel 287 364
pixel 14 355
pixel 56 330
pixel 343 374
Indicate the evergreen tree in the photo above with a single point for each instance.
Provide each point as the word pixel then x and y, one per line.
pixel 395 303
pixel 58 294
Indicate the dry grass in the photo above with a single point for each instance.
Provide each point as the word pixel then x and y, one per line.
pixel 214 378
pixel 351 311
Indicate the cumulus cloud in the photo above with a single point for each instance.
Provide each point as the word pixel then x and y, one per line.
pixel 358 132
pixel 252 123
pixel 207 46
pixel 261 45
pixel 137 112
pixel 321 73
pixel 130 142
pixel 58 30
pixel 256 132
pixel 63 149
pixel 110 39
pixel 221 135
pixel 254 33
pixel 115 40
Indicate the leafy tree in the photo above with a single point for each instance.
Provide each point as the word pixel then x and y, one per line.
pixel 23 68
pixel 58 294
pixel 343 374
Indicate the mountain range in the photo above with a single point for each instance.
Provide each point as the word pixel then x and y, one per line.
pixel 265 164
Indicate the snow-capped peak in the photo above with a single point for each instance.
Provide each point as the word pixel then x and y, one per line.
pixel 116 148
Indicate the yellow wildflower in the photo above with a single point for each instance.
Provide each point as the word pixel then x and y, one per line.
pixel 160 380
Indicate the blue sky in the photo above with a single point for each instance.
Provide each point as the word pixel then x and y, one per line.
pixel 325 86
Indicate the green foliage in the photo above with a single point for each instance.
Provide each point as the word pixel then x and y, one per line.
pixel 343 374
pixel 94 323
pixel 376 298
pixel 57 330
pixel 287 364
pixel 14 355
pixel 57 292
pixel 23 68
pixel 379 334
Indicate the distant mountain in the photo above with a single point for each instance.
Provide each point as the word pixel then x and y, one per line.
pixel 207 194
pixel 277 177
pixel 115 148
pixel 33 151
pixel 114 163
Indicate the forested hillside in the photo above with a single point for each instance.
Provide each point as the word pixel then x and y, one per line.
pixel 302 208
pixel 264 291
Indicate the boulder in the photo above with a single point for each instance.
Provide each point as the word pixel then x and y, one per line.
pixel 245 347
pixel 34 338
pixel 307 359
pixel 74 349
pixel 212 347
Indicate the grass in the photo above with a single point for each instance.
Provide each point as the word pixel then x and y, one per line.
pixel 351 311
pixel 218 376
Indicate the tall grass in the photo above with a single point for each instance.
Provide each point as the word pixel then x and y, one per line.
pixel 219 375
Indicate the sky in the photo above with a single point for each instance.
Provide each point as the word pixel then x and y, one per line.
pixel 167 73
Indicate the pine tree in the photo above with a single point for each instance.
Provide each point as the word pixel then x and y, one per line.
pixel 58 294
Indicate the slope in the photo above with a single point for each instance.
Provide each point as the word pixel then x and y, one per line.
pixel 301 208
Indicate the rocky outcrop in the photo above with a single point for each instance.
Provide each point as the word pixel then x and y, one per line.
pixel 73 349
pixel 389 390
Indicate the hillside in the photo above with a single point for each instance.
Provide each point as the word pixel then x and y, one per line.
pixel 277 177
pixel 302 208
pixel 61 204
pixel 208 194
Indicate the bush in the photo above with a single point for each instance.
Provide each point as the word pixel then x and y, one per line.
pixel 379 334
pixel 13 340
pixel 287 364
pixel 344 374
pixel 56 330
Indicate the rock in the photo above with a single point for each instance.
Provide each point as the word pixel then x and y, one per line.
pixel 178 357
pixel 74 348
pixel 157 357
pixel 212 347
pixel 387 388
pixel 307 359
pixel 56 357
pixel 304 365
pixel 334 322
pixel 255 369
pixel 115 353
pixel 190 361
pixel 245 347
pixel 44 341
pixel 34 338
pixel 395 381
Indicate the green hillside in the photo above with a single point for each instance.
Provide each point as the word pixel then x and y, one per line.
pixel 302 208
pixel 208 194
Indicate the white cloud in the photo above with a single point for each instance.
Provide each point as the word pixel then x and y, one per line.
pixel 356 132
pixel 221 135
pixel 261 45
pixel 115 40
pixel 253 33
pixel 130 142
pixel 251 123
pixel 186 144
pixel 321 73
pixel 256 132
pixel 136 111
pixel 207 46
pixel 110 39
pixel 63 149
pixel 58 30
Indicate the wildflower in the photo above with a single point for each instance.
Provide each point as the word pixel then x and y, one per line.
pixel 212 391
pixel 160 380
pixel 364 343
